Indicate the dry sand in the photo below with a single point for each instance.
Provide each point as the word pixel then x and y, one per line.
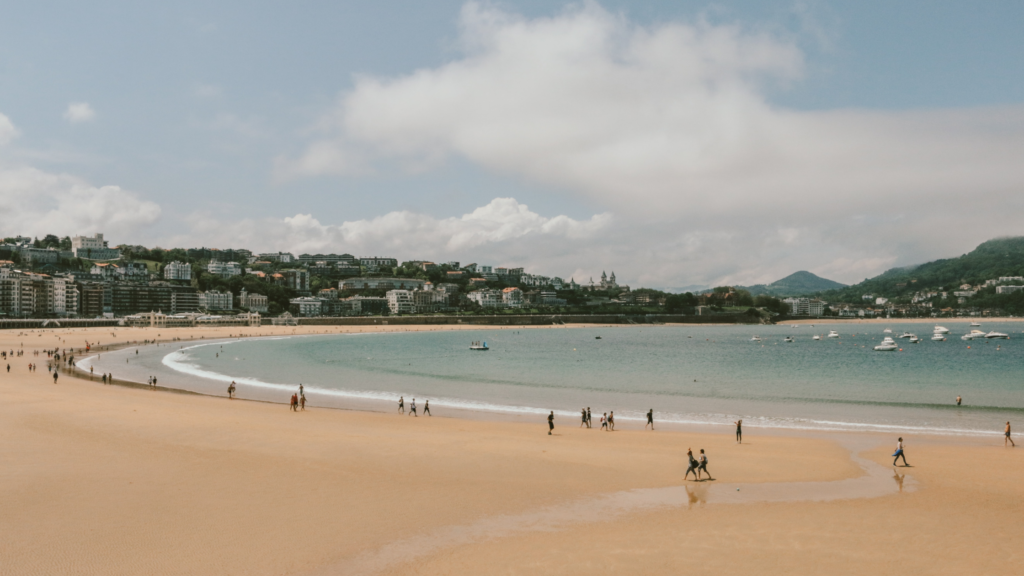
pixel 111 480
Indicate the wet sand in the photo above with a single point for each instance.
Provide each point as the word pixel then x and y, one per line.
pixel 112 480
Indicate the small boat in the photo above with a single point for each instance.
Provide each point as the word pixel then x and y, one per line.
pixel 887 331
pixel 973 334
pixel 597 337
pixel 788 339
pixel 478 346
pixel 941 330
pixel 887 345
pixel 973 324
pixel 997 335
pixel 906 335
pixel 755 339
pixel 914 339
pixel 833 334
pixel 816 337
pixel 937 337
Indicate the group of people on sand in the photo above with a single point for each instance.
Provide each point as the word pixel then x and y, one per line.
pixel 298 399
pixel 697 466
pixel 607 420
pixel 412 407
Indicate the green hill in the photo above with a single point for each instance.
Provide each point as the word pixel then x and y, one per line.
pixel 796 284
pixel 992 259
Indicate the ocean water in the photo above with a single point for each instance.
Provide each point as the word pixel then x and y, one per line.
pixel 698 374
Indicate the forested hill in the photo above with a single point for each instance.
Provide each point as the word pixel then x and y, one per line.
pixel 992 259
pixel 796 284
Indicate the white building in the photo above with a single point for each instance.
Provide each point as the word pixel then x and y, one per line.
pixel 307 306
pixel 401 301
pixel 214 300
pixel 1011 278
pixel 881 301
pixel 374 263
pixel 178 271
pixel 512 298
pixel 93 248
pixel 1008 289
pixel 224 269
pixel 253 302
pixel 486 298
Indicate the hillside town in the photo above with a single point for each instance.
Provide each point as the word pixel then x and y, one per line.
pixel 83 277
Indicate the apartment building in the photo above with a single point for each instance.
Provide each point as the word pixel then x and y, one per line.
pixel 253 302
pixel 178 271
pixel 401 301
pixel 93 248
pixel 224 269
pixel 215 300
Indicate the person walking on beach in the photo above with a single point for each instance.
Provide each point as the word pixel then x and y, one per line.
pixel 958 400
pixel 412 408
pixel 650 419
pixel 703 465
pixel 231 390
pixel 611 421
pixel 583 416
pixel 401 404
pixel 551 422
pixel 426 408
pixel 693 465
pixel 604 422
pixel 295 403
pixel 739 431
pixel 899 453
pixel 302 403
pixel 590 421
pixel 1006 436
pixel 55 374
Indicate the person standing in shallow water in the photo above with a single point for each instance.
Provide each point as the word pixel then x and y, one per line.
pixel 650 419
pixel 958 400
pixel 1006 436
pixel 551 422
pixel 899 453
pixel 739 431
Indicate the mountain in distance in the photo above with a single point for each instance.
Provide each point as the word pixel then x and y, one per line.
pixel 990 260
pixel 799 283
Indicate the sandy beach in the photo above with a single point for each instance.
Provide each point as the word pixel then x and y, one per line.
pixel 115 480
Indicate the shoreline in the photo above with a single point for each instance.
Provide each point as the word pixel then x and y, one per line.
pixel 343 399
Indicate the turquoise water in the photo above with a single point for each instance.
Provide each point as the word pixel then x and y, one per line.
pixel 701 374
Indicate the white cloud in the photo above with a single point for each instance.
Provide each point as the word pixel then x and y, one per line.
pixel 79 112
pixel 503 229
pixel 34 202
pixel 7 130
pixel 669 126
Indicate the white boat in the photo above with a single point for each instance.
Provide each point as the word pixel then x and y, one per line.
pixel 973 334
pixel 887 345
pixel 833 334
pixel 478 346
pixel 973 324
pixel 788 339
pixel 816 337
pixel 914 339
pixel 997 335
pixel 887 331
pixel 755 339
pixel 937 337
pixel 906 335
pixel 941 330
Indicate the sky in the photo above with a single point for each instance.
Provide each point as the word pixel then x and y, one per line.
pixel 677 143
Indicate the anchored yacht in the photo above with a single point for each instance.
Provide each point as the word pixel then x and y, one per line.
pixel 887 345
pixel 788 339
pixel 833 334
pixel 937 337
pixel 941 330
pixel 478 346
pixel 906 335
pixel 816 337
pixel 997 335
pixel 914 339
pixel 973 334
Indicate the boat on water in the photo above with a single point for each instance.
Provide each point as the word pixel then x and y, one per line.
pixel 997 335
pixel 816 337
pixel 788 339
pixel 906 335
pixel 755 339
pixel 887 345
pixel 913 339
pixel 973 334
pixel 937 337
pixel 597 337
pixel 478 346
pixel 887 331
pixel 941 330
pixel 833 334
pixel 973 324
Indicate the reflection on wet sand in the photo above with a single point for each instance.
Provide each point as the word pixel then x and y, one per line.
pixel 899 479
pixel 875 482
